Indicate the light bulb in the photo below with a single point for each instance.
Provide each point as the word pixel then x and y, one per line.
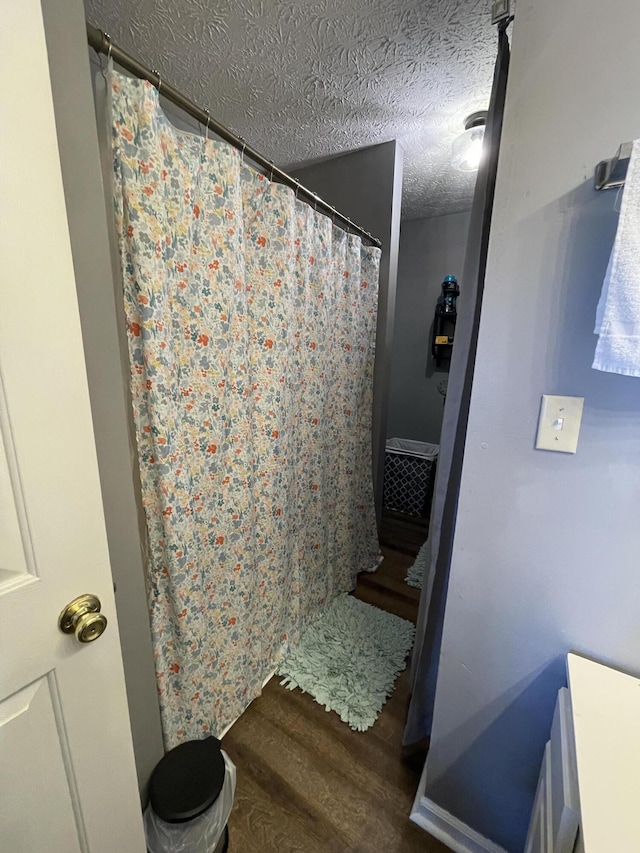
pixel 466 152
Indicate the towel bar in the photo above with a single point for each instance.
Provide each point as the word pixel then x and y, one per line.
pixel 612 173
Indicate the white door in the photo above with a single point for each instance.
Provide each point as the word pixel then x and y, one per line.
pixel 67 777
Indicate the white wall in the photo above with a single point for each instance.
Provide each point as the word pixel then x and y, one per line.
pixel 101 314
pixel 429 250
pixel 547 545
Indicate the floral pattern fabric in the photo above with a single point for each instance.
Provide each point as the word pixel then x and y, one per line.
pixel 251 328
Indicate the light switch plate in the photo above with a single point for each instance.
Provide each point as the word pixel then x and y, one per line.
pixel 559 423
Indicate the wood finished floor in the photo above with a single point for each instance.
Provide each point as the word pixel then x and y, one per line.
pixel 307 783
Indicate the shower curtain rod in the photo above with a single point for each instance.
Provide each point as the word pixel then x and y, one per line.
pixel 101 42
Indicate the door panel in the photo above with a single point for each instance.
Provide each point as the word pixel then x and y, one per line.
pixel 67 775
pixel 29 717
pixel 13 561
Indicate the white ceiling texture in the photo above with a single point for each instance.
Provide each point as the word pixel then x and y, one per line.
pixel 307 79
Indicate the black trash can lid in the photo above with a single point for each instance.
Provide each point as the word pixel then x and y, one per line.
pixel 187 780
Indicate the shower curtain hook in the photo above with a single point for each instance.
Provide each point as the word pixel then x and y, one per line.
pixel 271 164
pixel 107 38
pixel 244 145
pixel 297 188
pixel 206 130
pixel 159 83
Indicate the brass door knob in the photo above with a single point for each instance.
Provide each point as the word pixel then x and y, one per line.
pixel 82 617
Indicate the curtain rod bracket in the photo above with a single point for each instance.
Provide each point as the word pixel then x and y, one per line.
pixel 500 11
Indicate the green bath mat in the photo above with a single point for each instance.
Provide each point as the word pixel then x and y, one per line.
pixel 349 659
pixel 415 573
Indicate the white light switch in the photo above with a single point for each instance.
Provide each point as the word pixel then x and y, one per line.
pixel 559 424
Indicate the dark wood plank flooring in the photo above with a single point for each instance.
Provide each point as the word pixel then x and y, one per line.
pixel 307 783
pixel 403 532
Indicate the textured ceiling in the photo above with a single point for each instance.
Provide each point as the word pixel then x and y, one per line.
pixel 313 78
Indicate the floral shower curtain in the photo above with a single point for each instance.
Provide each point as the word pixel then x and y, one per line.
pixel 251 328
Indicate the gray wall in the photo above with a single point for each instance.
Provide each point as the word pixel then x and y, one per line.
pixel 99 314
pixel 546 549
pixel 429 250
pixel 366 185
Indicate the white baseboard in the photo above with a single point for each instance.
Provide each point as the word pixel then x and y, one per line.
pixel 446 827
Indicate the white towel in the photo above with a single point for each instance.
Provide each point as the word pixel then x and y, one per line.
pixel 618 313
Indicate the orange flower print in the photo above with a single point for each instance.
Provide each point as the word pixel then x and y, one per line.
pixel 201 309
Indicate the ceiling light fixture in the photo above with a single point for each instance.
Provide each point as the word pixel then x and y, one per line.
pixel 466 152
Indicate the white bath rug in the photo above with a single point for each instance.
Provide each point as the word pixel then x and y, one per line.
pixel 415 573
pixel 349 659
